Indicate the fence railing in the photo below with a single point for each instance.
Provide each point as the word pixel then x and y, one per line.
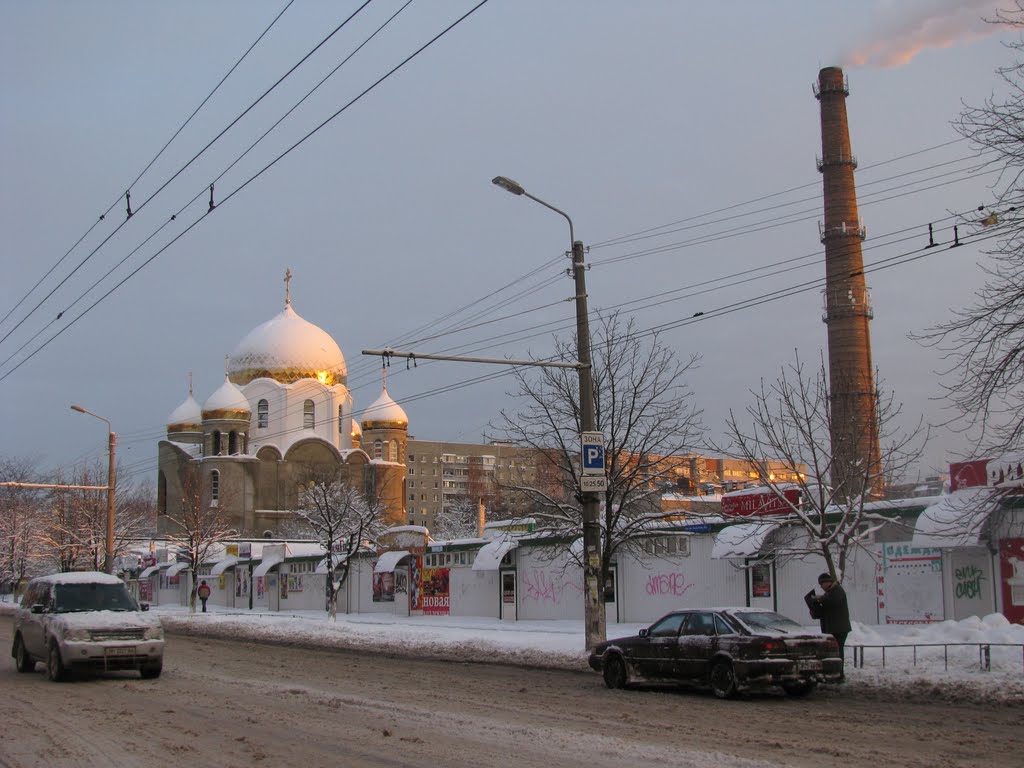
pixel 984 652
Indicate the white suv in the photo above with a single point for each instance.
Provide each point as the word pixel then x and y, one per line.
pixel 85 620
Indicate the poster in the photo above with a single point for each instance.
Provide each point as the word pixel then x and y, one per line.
pixel 384 587
pixel 761 580
pixel 1011 571
pixel 433 591
pixel 910 585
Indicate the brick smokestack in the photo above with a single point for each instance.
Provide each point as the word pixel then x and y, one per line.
pixel 848 311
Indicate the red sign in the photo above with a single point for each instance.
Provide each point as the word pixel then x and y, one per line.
pixel 1011 572
pixel 744 504
pixel 968 474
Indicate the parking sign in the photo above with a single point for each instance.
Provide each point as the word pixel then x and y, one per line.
pixel 592 451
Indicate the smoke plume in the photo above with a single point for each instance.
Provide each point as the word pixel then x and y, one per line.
pixel 910 26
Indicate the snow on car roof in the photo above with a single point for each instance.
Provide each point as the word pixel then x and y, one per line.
pixel 80 577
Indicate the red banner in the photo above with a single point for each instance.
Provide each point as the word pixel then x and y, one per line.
pixel 748 504
pixel 968 474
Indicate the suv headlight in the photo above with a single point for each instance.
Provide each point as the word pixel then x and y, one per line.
pixel 154 633
pixel 77 635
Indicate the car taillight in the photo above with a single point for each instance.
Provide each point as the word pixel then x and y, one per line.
pixel 773 646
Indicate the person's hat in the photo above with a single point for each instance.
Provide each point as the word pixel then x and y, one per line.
pixel 825 577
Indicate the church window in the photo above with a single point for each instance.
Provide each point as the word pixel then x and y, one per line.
pixel 161 494
pixel 341 421
pixel 232 442
pixel 377 449
pixel 262 414
pixel 393 451
pixel 215 439
pixel 308 415
pixel 214 488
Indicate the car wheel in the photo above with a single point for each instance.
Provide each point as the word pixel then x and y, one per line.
pixel 151 671
pixel 798 690
pixel 22 659
pixel 723 680
pixel 55 668
pixel 615 672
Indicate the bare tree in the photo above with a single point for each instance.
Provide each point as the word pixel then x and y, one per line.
pixel 20 509
pixel 790 420
pixel 458 520
pixel 342 518
pixel 643 407
pixel 202 528
pixel 983 343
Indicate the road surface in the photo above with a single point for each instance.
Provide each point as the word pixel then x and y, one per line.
pixel 239 705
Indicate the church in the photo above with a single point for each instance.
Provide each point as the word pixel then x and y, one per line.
pixel 283 414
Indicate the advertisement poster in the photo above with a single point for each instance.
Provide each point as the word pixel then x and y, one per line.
pixel 259 588
pixel 145 591
pixel 1011 570
pixel 508 588
pixel 284 586
pixel 242 582
pixel 294 582
pixel 434 590
pixel 910 585
pixel 761 581
pixel 384 587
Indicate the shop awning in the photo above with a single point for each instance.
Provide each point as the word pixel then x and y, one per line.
pixel 268 562
pixel 387 562
pixel 741 541
pixel 957 520
pixel 222 565
pixel 175 568
pixel 489 557
pixel 149 571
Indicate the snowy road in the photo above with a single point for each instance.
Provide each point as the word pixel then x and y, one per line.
pixel 242 704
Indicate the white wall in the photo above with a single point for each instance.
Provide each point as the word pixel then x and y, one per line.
pixel 654 585
pixel 474 593
pixel 547 588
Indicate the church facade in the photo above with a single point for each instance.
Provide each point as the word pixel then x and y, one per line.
pixel 283 415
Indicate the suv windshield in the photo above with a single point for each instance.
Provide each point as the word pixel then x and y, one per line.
pixel 69 598
pixel 760 622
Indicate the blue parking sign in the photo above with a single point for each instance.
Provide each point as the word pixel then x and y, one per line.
pixel 592 452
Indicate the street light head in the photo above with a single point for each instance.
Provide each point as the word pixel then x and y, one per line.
pixel 78 408
pixel 508 185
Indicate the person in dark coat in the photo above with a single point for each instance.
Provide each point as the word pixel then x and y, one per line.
pixel 831 609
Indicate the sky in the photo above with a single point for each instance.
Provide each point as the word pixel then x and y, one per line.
pixel 559 645
pixel 680 139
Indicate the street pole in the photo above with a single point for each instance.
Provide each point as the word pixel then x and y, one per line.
pixel 108 560
pixel 594 620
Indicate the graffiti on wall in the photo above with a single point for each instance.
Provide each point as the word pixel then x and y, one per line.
pixel 673 584
pixel 968 582
pixel 546 588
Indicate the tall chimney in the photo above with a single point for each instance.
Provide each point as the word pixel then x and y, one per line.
pixel 856 455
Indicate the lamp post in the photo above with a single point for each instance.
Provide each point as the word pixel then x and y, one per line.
pixel 593 605
pixel 108 563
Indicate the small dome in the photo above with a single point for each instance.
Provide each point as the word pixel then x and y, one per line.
pixel 227 402
pixel 385 413
pixel 187 417
pixel 357 431
pixel 287 348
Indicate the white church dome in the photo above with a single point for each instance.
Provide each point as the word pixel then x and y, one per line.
pixel 384 413
pixel 227 402
pixel 186 416
pixel 287 348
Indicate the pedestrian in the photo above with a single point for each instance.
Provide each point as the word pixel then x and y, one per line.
pixel 204 593
pixel 832 611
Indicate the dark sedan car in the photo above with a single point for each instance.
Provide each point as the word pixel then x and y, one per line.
pixel 728 649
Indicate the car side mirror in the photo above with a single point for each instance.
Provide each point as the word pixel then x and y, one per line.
pixel 643 632
pixel 38 608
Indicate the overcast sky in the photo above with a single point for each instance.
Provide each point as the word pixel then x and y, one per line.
pixel 654 125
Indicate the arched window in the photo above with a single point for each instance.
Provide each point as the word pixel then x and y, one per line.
pixel 215 443
pixel 262 414
pixel 308 415
pixel 232 442
pixel 377 449
pixel 393 451
pixel 214 488
pixel 341 421
pixel 161 494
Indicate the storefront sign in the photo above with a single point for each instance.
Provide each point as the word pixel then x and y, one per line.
pixel 759 504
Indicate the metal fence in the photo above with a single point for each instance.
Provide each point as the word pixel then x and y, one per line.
pixel 984 652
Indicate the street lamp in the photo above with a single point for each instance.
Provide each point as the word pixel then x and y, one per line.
pixel 108 564
pixel 593 605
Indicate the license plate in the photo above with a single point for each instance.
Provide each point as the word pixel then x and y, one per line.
pixel 809 666
pixel 124 650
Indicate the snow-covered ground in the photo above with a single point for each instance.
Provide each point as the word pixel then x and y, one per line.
pixel 954 673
